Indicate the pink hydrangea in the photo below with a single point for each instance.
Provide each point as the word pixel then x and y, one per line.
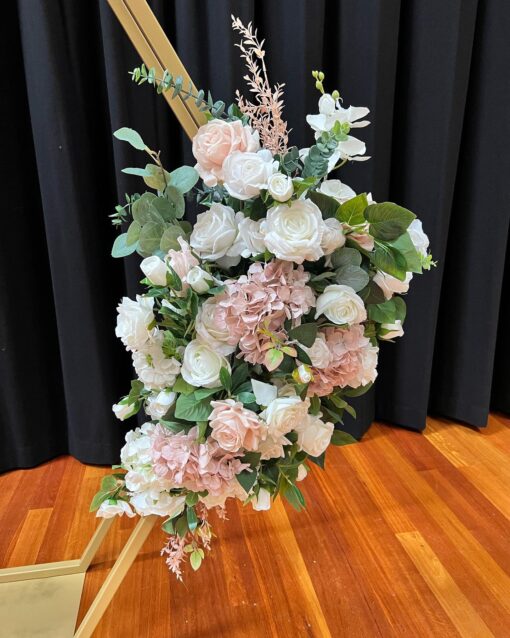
pixel 184 462
pixel 264 298
pixel 353 361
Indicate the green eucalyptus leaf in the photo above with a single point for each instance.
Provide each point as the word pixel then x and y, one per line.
pixel 346 257
pixel 139 172
pixel 142 210
pixel 169 238
pixel 120 247
pixel 150 237
pixel 352 276
pixel 156 178
pixel 184 178
pixel 164 208
pixel 131 136
pixel 176 199
pixel 133 233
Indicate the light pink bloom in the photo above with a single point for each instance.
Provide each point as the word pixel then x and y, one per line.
pixel 365 240
pixel 263 299
pixel 183 260
pixel 234 427
pixel 184 462
pixel 353 361
pixel 215 141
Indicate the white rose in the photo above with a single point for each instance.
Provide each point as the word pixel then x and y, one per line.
pixel 418 237
pixel 262 501
pixel 155 270
pixel 314 435
pixel 123 410
pixel 133 320
pixel 272 448
pixel 391 330
pixel 341 305
pixel 111 508
pixel 283 414
pixel 154 369
pixel 158 404
pixel 160 503
pixel 214 232
pixel 280 187
pixel 201 365
pixel 249 241
pixel 320 354
pixel 391 285
pixel 336 189
pixel 294 233
pixel 197 278
pixel 333 236
pixel 246 174
pixel 212 330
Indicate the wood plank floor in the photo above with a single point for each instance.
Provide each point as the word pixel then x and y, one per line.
pixel 404 535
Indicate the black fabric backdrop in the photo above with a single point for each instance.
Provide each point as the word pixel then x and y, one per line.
pixel 435 77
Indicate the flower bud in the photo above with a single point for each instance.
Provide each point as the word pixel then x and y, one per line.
pixel 303 374
pixel 197 278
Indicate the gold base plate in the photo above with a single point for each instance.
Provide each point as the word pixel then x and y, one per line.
pixel 42 607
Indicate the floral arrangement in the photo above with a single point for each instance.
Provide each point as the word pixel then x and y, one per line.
pixel 259 322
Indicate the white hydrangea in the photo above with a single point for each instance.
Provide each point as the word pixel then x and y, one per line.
pixel 154 369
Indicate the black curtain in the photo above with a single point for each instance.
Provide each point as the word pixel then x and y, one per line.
pixel 435 77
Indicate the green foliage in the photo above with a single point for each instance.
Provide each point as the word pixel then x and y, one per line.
pixel 305 333
pixel 184 178
pixel 169 82
pixel 406 248
pixel 247 479
pixel 289 163
pixel 183 387
pixel 342 438
pixel 389 260
pixel 131 136
pixel 387 220
pixel 121 248
pixel 110 488
pixel 226 379
pixel 328 205
pixel 351 212
pixel 346 257
pixel 189 408
pixel 388 312
pixel 352 276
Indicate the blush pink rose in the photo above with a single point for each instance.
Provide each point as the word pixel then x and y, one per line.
pixel 215 141
pixel 234 427
pixel 183 260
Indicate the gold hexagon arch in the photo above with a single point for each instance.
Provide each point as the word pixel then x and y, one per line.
pixel 62 581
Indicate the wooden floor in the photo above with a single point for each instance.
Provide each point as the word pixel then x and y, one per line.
pixel 404 535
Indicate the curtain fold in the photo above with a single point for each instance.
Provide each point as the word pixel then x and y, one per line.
pixel 434 77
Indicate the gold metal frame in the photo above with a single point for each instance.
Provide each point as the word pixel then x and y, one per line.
pixel 154 48
pixel 68 576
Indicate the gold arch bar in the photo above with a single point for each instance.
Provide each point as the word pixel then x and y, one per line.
pixel 155 49
pixel 67 577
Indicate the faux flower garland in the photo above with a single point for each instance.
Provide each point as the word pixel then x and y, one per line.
pixel 258 322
